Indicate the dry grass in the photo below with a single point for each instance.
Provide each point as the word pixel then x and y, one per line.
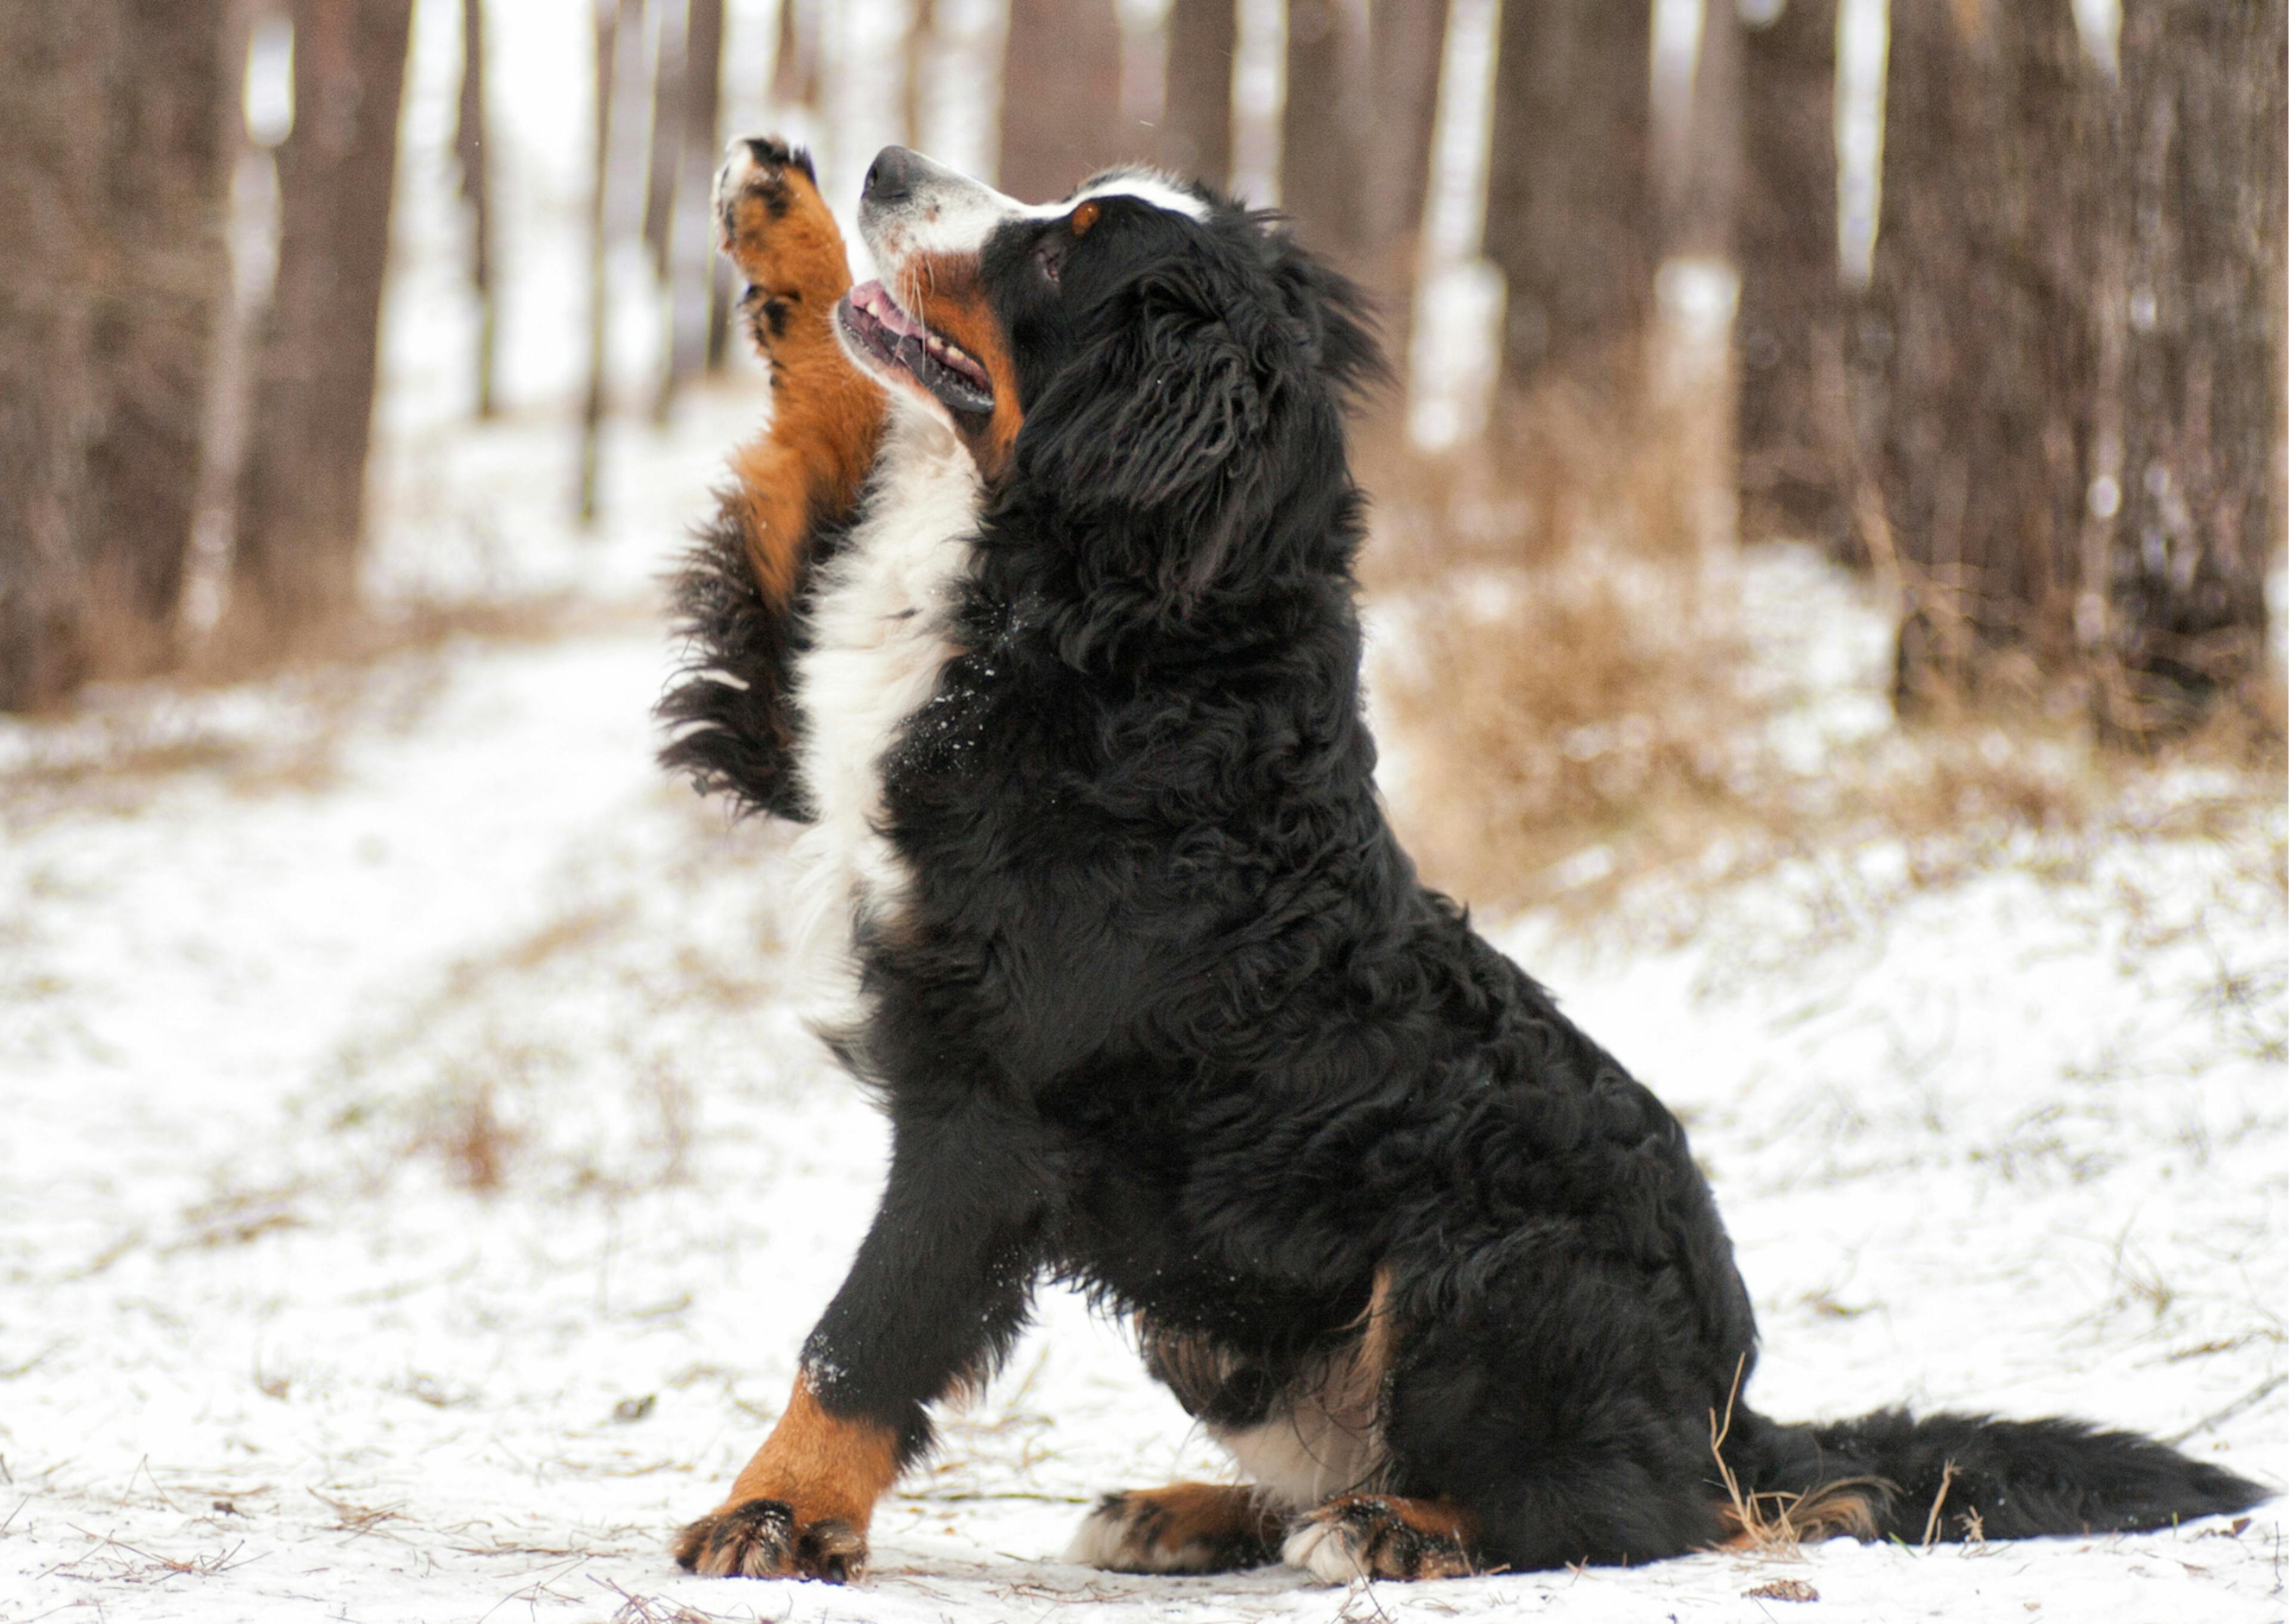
pixel 1580 697
pixel 1778 1523
pixel 460 1124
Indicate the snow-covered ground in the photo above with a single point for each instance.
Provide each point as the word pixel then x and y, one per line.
pixel 290 973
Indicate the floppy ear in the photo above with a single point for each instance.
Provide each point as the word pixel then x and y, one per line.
pixel 1155 408
pixel 1338 313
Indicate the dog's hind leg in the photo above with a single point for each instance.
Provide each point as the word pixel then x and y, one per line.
pixel 1566 1403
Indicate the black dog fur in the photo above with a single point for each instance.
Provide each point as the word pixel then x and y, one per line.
pixel 1168 1013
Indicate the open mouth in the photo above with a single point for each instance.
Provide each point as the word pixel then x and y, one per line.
pixel 878 326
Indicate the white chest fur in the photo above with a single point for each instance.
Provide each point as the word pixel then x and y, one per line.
pixel 879 639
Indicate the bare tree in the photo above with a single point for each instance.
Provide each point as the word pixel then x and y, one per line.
pixel 614 20
pixel 796 74
pixel 1788 328
pixel 2183 494
pixel 477 191
pixel 671 82
pixel 687 260
pixel 703 48
pixel 1407 49
pixel 1325 133
pixel 1701 174
pixel 921 47
pixel 1570 214
pixel 302 488
pixel 117 275
pixel 1195 133
pixel 51 100
pixel 1061 96
pixel 1980 317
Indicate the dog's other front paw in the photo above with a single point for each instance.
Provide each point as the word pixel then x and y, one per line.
pixel 1378 1536
pixel 766 1538
pixel 1184 1528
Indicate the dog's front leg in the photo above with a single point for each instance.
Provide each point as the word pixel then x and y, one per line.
pixel 936 1295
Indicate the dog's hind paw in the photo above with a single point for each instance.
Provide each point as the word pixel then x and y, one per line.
pixel 1378 1536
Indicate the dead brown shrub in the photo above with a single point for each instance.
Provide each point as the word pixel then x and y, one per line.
pixel 1578 699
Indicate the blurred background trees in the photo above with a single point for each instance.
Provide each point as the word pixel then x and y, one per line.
pixel 114 276
pixel 2043 405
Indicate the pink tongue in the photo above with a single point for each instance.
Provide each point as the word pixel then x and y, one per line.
pixel 872 298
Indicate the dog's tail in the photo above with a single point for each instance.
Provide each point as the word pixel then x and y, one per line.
pixel 1956 1477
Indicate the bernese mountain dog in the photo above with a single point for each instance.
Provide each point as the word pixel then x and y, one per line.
pixel 1035 603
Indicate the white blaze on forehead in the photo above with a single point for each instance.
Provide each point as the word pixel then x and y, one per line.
pixel 952 213
pixel 1145 185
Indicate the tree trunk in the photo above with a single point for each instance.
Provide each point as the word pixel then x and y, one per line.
pixel 1196 136
pixel 665 155
pixel 612 19
pixel 52 108
pixel 1980 297
pixel 113 120
pixel 301 492
pixel 920 54
pixel 1788 328
pixel 2187 500
pixel 1407 42
pixel 1060 96
pixel 1323 128
pixel 470 148
pixel 704 51
pixel 795 80
pixel 687 264
pixel 1701 175
pixel 1571 216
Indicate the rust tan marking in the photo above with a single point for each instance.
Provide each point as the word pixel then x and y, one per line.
pixel 943 291
pixel 826 415
pixel 1084 217
pixel 829 1472
pixel 826 1466
pixel 1384 1536
pixel 1181 1528
pixel 1768 1521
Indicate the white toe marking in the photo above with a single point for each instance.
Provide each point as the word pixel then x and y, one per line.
pixel 1321 1549
pixel 1100 1542
pixel 1106 1540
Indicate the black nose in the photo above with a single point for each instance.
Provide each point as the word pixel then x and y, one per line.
pixel 891 175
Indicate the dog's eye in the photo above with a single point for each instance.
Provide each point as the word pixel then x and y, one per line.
pixel 1084 216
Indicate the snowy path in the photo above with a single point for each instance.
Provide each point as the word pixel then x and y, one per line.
pixel 265 1354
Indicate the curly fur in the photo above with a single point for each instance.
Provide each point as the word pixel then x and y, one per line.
pixel 1163 1008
